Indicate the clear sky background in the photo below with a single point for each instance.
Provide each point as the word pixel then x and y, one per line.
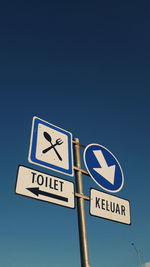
pixel 83 66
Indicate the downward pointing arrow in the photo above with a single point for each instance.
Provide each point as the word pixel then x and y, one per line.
pixel 108 172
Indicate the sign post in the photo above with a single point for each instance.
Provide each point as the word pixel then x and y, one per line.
pixel 80 208
pixel 51 147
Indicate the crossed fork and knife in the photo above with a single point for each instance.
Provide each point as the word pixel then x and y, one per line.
pixel 52 146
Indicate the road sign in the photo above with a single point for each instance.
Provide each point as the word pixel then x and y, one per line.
pixel 51 147
pixel 41 186
pixel 109 207
pixel 103 167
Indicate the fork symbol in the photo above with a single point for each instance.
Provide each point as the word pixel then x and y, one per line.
pixel 58 142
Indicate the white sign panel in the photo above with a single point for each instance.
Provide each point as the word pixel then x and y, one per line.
pixel 51 147
pixel 41 186
pixel 109 207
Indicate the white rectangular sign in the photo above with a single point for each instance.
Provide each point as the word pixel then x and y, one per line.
pixel 41 186
pixel 109 207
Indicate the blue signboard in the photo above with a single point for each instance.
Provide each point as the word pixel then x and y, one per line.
pixel 51 147
pixel 103 167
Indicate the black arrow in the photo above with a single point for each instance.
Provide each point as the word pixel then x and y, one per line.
pixel 36 191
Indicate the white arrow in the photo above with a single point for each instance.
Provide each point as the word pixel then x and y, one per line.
pixel 108 172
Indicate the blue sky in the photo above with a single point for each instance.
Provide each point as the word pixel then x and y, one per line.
pixel 83 66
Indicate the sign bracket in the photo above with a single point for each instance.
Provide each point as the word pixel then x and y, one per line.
pixel 81 170
pixel 82 196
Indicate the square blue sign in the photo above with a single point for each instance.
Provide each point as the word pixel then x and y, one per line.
pixel 51 147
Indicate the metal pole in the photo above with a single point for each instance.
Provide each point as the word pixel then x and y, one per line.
pixel 138 254
pixel 80 208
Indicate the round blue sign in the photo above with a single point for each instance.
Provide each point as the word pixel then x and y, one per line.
pixel 103 167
